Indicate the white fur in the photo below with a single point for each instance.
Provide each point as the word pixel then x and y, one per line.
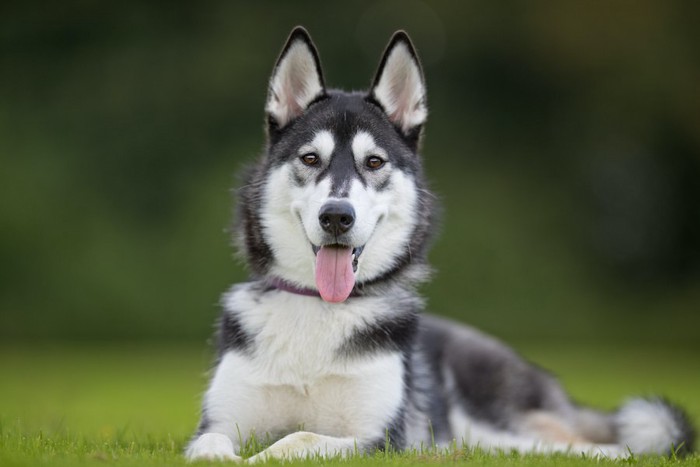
pixel 400 89
pixel 322 144
pixel 303 444
pixel 283 226
pixel 294 378
pixel 296 336
pixel 212 446
pixel 646 426
pixel 396 212
pixel 363 146
pixel 294 84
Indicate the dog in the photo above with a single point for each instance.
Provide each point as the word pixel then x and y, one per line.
pixel 326 351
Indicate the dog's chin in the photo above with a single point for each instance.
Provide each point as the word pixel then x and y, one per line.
pixel 335 271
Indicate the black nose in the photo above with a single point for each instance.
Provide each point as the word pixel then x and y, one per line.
pixel 336 217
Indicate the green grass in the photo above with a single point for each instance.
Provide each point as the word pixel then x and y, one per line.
pixel 137 405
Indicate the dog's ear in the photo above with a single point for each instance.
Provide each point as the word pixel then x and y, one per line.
pixel 296 80
pixel 399 87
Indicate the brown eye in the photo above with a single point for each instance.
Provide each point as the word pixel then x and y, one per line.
pixel 310 159
pixel 374 162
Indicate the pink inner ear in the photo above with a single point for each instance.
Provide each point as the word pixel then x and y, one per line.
pixel 400 89
pixel 304 91
pixel 292 103
pixel 402 100
pixel 296 82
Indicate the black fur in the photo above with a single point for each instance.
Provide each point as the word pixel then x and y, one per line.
pixel 204 423
pixel 232 335
pixel 391 334
pixel 248 226
pixel 394 437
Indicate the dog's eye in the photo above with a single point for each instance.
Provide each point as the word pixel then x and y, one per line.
pixel 374 162
pixel 310 158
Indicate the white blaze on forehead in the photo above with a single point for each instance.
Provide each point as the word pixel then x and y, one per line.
pixel 363 145
pixel 323 144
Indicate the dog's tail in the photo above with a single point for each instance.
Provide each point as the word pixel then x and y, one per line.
pixel 650 425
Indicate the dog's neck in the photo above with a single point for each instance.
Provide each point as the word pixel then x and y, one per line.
pixel 281 284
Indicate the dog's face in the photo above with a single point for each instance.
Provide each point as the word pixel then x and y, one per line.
pixel 338 197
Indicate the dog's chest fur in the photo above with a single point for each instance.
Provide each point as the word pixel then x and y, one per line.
pixel 299 368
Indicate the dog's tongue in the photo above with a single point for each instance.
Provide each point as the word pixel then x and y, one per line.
pixel 334 276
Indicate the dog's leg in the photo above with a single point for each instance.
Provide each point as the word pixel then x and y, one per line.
pixel 224 412
pixel 494 440
pixel 212 446
pixel 303 444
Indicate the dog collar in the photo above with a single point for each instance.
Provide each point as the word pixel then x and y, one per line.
pixel 281 284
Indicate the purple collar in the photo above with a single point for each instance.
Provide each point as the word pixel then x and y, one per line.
pixel 281 284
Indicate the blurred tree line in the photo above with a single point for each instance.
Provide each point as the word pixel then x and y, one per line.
pixel 563 142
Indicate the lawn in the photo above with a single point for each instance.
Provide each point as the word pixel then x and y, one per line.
pixel 137 405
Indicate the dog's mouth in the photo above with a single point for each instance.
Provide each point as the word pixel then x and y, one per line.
pixel 336 266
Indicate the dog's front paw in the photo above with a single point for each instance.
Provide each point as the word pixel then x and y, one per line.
pixel 294 445
pixel 297 445
pixel 212 446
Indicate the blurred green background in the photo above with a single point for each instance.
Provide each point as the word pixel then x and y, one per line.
pixel 563 141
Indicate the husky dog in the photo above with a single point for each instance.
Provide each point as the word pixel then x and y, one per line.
pixel 325 351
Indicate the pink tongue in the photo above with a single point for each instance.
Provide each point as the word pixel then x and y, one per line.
pixel 334 276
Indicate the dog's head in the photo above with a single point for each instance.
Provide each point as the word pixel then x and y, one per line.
pixel 337 201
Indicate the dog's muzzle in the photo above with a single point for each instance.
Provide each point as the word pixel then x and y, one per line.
pixel 337 258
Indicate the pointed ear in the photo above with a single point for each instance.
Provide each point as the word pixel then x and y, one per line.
pixel 399 87
pixel 296 80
